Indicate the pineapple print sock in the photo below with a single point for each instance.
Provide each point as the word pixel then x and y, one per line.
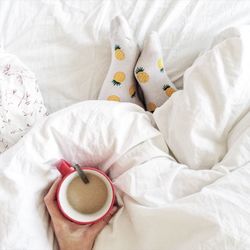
pixel 151 75
pixel 120 83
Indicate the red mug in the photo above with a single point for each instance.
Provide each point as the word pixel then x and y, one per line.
pixel 69 173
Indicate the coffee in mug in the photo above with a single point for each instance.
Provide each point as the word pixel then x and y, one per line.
pixel 88 197
pixel 84 203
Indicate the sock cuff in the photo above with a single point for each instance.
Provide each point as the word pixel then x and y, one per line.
pixel 120 27
pixel 152 42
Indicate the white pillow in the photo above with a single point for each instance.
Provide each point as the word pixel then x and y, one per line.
pixel 196 121
pixel 21 103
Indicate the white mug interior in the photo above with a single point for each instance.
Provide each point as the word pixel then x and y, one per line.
pixel 74 214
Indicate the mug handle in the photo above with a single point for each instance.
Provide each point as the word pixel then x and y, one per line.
pixel 65 168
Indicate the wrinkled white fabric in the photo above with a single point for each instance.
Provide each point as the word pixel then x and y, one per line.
pixel 165 205
pixel 92 133
pixel 216 96
pixel 66 43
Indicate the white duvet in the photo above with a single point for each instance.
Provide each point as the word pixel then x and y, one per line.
pixel 191 192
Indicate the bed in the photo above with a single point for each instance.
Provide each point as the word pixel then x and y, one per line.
pixel 186 187
pixel 74 36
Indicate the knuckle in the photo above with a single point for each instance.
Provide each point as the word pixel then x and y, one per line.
pixel 46 200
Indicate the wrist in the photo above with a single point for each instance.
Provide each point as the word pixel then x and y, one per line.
pixel 71 247
pixel 74 247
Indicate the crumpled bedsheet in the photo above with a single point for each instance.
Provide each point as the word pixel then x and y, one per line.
pixel 66 43
pixel 183 187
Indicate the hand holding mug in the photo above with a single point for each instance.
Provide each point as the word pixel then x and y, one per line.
pixel 69 234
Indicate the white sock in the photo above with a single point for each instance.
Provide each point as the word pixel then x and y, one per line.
pixel 151 75
pixel 120 83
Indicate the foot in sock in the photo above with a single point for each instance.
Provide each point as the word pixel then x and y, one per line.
pixel 120 83
pixel 151 75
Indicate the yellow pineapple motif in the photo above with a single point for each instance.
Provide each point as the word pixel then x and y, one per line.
pixel 132 91
pixel 114 98
pixel 119 54
pixel 151 107
pixel 141 76
pixel 168 90
pixel 118 78
pixel 160 64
